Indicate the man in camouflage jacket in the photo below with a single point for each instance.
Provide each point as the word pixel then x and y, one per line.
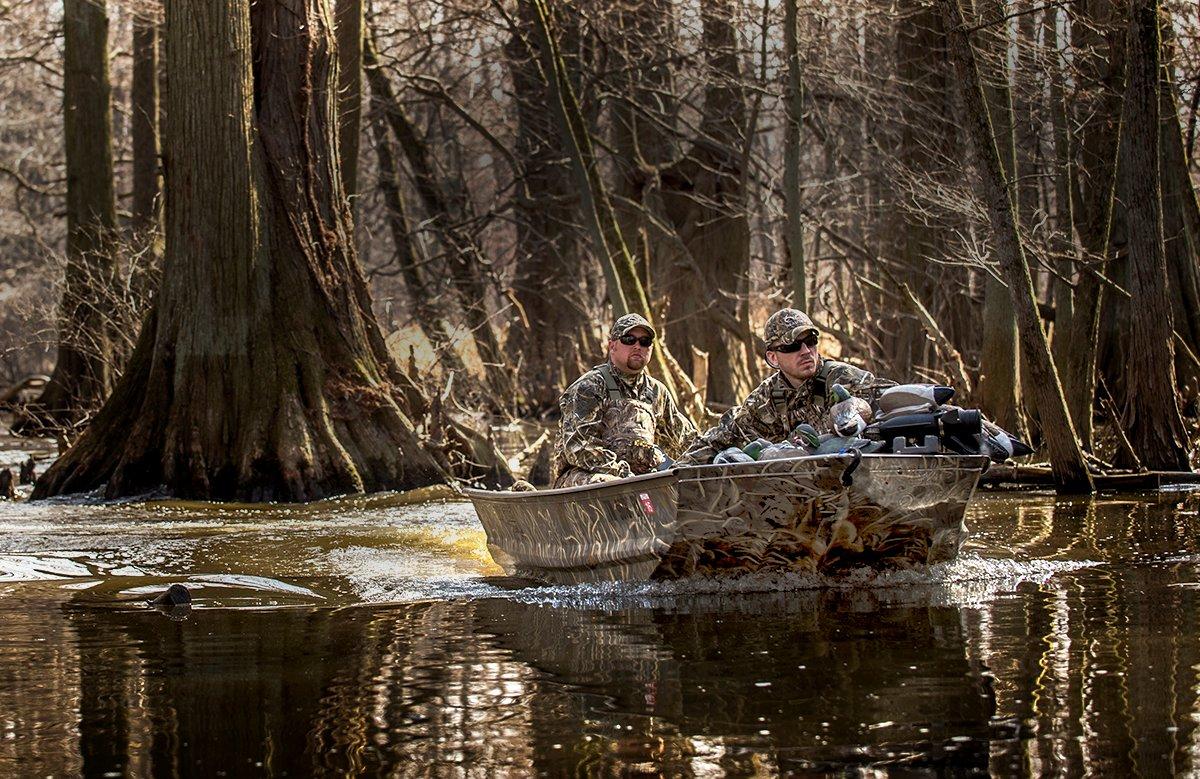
pixel 797 392
pixel 616 419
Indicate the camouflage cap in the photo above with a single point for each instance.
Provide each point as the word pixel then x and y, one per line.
pixel 786 326
pixel 626 323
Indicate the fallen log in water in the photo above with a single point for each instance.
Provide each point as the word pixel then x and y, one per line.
pixel 1017 476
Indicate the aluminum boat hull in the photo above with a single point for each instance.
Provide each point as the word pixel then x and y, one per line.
pixel 822 513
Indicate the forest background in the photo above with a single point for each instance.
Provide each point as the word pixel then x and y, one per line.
pixel 301 247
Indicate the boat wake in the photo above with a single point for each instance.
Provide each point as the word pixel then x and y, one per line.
pixel 969 580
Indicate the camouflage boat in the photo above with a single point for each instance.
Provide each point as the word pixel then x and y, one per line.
pixel 822 513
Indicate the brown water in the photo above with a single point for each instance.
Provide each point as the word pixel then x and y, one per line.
pixel 374 636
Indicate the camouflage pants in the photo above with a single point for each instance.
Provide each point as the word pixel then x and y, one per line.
pixel 577 477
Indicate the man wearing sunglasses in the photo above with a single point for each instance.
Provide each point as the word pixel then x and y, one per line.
pixel 616 419
pixel 798 391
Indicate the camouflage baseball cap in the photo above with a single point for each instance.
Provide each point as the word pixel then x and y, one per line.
pixel 626 323
pixel 786 326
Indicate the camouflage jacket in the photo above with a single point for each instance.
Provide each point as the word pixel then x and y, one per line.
pixel 775 407
pixel 612 431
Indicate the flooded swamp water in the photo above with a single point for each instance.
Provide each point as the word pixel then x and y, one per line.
pixel 375 636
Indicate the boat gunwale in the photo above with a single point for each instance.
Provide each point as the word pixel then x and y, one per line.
pixel 597 489
pixel 718 471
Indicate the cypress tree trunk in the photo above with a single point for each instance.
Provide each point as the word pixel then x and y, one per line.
pixel 925 143
pixel 1064 200
pixel 793 98
pixel 348 18
pixel 1181 217
pixel 999 383
pixel 549 271
pixel 625 290
pixel 146 221
pixel 1151 414
pixel 144 111
pixel 1066 459
pixel 83 373
pixel 705 199
pixel 1101 65
pixel 642 117
pixel 262 374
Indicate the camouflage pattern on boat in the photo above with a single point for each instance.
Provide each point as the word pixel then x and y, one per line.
pixel 825 513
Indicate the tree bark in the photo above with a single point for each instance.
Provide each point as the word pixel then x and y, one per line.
pixel 1066 458
pixel 705 199
pixel 546 283
pixel 793 100
pixel 348 16
pixel 1064 202
pixel 83 373
pixel 1151 414
pixel 999 390
pixel 1181 218
pixel 625 290
pixel 643 114
pixel 1101 69
pixel 925 143
pixel 262 374
pixel 144 111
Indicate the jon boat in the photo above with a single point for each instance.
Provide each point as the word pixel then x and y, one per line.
pixel 807 514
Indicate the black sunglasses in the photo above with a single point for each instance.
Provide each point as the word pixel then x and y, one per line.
pixel 809 340
pixel 630 340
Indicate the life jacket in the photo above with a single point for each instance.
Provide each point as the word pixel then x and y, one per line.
pixel 626 419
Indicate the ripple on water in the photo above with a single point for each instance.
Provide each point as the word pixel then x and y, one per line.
pixel 388 548
pixel 969 580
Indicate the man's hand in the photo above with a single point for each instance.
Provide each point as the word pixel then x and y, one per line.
pixel 645 457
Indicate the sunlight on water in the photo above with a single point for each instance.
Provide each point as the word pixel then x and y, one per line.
pixel 422 546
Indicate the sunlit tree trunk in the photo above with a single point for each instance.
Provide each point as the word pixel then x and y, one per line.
pixel 262 374
pixel 83 374
pixel 999 389
pixel 1066 458
pixel 1151 414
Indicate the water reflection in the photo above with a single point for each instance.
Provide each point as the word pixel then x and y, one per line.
pixel 775 682
pixel 1090 669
